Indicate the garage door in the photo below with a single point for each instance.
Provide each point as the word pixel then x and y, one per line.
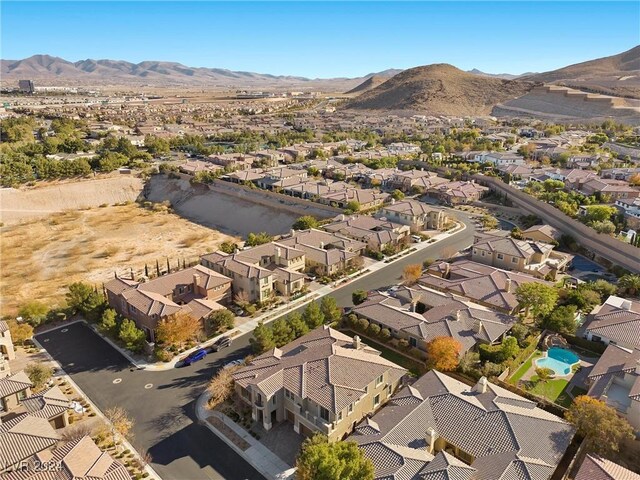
pixel 291 417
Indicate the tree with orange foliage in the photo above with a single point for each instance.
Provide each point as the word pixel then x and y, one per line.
pixel 412 273
pixel 177 329
pixel 443 353
pixel 635 180
pixel 600 425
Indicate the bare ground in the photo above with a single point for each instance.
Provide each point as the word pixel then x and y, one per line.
pixel 39 258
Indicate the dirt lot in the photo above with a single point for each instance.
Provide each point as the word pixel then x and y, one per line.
pixel 40 258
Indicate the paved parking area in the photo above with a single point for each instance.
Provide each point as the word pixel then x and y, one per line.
pixel 162 404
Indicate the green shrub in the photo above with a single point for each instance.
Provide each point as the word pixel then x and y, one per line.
pixel 373 330
pixel 385 334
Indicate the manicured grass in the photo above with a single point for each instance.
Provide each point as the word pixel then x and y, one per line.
pixel 551 389
pixel 565 400
pixel 524 367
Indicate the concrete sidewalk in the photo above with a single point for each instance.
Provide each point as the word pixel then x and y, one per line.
pixel 257 455
pixel 267 317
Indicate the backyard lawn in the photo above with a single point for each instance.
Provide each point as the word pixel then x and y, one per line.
pixel 550 389
pixel 415 367
pixel 524 367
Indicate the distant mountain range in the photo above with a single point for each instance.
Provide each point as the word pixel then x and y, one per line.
pixel 119 72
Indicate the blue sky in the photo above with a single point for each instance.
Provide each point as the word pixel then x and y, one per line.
pixel 324 39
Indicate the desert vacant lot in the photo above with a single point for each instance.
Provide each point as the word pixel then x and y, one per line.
pixel 41 257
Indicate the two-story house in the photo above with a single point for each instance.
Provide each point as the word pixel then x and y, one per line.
pixel 417 215
pixel 378 234
pixel 322 382
pixel 196 291
pixel 535 258
pixel 259 272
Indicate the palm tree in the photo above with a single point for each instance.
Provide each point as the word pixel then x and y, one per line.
pixel 629 284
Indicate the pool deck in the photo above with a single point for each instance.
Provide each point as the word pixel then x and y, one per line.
pixel 577 379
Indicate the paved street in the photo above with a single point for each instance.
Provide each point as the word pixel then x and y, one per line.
pixel 162 402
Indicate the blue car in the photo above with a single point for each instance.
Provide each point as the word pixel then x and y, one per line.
pixel 195 356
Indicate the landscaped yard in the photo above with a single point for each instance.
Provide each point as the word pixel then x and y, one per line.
pixel 415 367
pixel 524 367
pixel 550 389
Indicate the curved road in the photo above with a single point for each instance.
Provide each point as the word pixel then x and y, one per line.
pixel 162 404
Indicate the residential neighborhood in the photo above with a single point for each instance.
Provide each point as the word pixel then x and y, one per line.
pixel 289 241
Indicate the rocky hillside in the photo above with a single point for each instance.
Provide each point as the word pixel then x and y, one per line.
pixel 369 84
pixel 440 89
pixel 615 75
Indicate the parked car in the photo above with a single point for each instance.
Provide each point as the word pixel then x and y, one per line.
pixel 233 363
pixel 416 238
pixel 195 356
pixel 237 311
pixel 221 343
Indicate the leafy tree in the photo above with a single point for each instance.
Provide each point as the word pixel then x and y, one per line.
pixel 228 247
pixel 373 330
pixel 443 353
pixel 121 423
pixel 39 374
pixel 537 298
pixel 320 460
pixel 520 332
pixel 177 329
pixel 561 320
pixel 82 298
pixel 363 324
pixel 397 195
pixel 359 296
pixel 221 320
pixel 582 297
pixel 603 288
pixel 605 226
pixel 131 335
pixel 411 273
pixel 20 332
pixel 600 425
pixel 489 222
pixel 297 325
pixel 281 332
pixel 353 206
pixel 262 339
pixel 330 310
pixel 220 387
pixel 304 223
pixel 509 347
pixel 34 312
pixel 255 239
pixel 108 323
pixel 599 213
pixel 544 375
pixel 385 334
pixel 313 316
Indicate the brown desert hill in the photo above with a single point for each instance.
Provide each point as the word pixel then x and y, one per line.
pixel 440 89
pixel 369 84
pixel 614 75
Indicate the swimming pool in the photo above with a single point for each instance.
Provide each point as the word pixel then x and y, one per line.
pixel 560 360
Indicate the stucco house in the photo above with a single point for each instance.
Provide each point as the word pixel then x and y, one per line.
pixel 323 382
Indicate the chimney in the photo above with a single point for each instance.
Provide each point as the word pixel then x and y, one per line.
pixel 278 253
pixel 292 232
pixel 196 279
pixel 430 437
pixel 413 305
pixel 477 326
pixel 322 245
pixel 481 386
pixel 638 367
pixel 458 315
pixel 507 285
pixel 393 201
pixel 356 342
pixel 342 218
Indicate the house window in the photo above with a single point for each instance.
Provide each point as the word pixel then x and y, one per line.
pixel 482 253
pixel 413 342
pixel 273 400
pixel 22 395
pixel 376 400
pixel 514 260
pixel 324 414
pixel 288 394
pixel 500 256
pixel 379 380
pixel 350 409
pixel 475 251
pixel 388 390
pixel 339 416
